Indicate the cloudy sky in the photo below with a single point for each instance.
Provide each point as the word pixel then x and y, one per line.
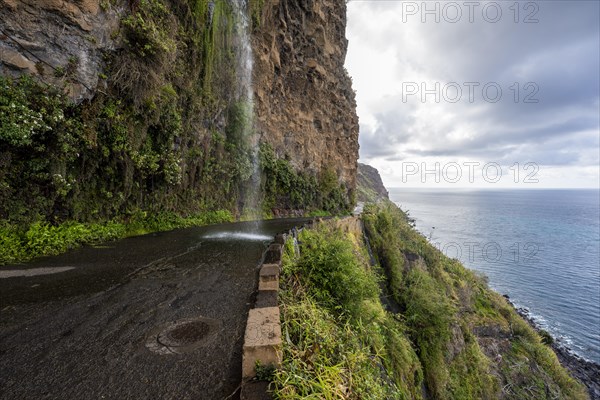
pixel 477 93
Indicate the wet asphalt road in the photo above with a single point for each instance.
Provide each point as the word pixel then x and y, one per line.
pixel 101 329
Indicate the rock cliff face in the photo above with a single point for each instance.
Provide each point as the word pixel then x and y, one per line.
pixel 369 184
pixel 59 41
pixel 162 128
pixel 304 102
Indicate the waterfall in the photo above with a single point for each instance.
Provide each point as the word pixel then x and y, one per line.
pixel 244 51
pixel 245 96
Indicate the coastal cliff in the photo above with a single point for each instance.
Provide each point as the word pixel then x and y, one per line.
pixel 138 112
pixel 304 100
pixel 123 117
pixel 370 186
pixel 371 309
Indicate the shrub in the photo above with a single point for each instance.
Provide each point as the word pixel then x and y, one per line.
pixel 285 187
pixel 332 272
pixel 339 345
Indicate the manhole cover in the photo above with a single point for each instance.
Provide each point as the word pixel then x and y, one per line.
pixel 182 336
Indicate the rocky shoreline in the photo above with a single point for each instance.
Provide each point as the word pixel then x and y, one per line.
pixel 585 371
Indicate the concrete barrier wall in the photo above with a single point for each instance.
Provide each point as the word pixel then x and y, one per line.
pixel 262 340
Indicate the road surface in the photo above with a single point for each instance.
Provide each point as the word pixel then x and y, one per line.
pixel 160 316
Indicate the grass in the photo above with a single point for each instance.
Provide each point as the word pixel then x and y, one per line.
pixel 339 341
pixel 451 337
pixel 42 239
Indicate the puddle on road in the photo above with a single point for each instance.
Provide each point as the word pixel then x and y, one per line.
pixel 15 273
pixel 238 236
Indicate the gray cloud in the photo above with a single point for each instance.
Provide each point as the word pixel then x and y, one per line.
pixel 559 54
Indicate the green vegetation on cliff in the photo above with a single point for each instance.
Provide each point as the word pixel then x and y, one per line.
pixel 287 188
pixel 442 333
pixel 339 342
pixel 369 185
pixel 153 140
pixel 164 137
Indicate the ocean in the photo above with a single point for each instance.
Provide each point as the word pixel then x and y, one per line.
pixel 540 247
